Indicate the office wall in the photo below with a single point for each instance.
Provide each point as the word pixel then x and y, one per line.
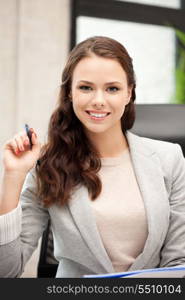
pixel 34 42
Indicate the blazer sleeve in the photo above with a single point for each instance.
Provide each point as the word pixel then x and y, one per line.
pixel 173 251
pixel 21 229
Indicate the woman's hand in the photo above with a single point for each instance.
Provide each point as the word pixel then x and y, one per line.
pixel 17 155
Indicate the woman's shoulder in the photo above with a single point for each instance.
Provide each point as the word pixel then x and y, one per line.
pixel 160 145
pixel 164 149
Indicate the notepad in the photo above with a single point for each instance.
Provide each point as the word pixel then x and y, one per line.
pixel 170 272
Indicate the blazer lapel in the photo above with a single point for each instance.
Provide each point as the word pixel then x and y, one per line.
pixel 80 209
pixel 151 183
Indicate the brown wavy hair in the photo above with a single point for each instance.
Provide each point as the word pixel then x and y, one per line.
pixel 68 159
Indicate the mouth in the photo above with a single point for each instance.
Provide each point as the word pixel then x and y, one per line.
pixel 97 115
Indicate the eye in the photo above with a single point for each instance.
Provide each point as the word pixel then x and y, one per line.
pixel 85 88
pixel 113 89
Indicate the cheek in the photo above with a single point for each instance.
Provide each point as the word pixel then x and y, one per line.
pixel 79 104
pixel 119 104
pixel 80 99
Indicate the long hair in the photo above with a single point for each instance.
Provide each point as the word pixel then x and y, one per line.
pixel 69 159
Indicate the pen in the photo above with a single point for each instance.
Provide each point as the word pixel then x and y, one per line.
pixel 28 132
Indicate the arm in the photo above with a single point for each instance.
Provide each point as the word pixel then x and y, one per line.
pixel 173 251
pixel 21 222
pixel 9 197
pixel 23 233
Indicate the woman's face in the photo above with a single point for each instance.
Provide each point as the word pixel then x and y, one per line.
pixel 99 93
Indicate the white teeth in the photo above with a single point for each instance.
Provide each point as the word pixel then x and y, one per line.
pixel 97 115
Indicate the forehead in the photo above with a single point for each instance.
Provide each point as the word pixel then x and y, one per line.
pixel 98 67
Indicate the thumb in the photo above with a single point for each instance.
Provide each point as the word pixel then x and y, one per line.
pixel 34 138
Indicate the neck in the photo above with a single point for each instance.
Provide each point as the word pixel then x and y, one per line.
pixel 107 144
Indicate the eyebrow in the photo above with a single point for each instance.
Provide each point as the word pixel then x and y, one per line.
pixel 107 83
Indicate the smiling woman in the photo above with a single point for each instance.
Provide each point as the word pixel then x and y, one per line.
pixel 116 200
pixel 92 67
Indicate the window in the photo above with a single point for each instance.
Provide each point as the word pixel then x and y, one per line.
pixel 144 31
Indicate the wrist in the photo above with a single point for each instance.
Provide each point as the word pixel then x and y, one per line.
pixel 10 189
pixel 18 175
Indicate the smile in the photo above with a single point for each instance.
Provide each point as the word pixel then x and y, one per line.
pixel 97 116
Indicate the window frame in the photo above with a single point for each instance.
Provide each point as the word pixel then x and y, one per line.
pixel 125 11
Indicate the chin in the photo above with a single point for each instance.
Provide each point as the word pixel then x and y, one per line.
pixel 95 130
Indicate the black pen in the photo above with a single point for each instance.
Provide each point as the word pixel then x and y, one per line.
pixel 29 134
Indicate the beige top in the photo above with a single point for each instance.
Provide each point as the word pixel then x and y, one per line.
pixel 119 212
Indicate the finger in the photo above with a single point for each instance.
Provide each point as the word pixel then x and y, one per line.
pixel 34 138
pixel 19 141
pixel 13 145
pixel 25 139
pixel 22 140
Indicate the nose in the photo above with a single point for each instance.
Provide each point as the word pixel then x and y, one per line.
pixel 99 99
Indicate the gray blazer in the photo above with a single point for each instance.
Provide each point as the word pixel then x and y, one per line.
pixel 160 172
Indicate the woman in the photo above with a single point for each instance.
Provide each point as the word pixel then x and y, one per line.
pixel 116 200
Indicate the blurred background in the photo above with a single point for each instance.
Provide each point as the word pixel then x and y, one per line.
pixel 37 35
